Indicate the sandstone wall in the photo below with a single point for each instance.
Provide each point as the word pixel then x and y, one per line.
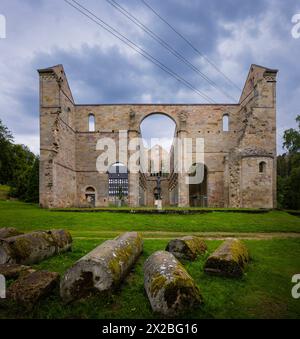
pixel 69 154
pixel 57 140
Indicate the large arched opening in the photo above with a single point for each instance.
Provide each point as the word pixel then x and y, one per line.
pixel 157 132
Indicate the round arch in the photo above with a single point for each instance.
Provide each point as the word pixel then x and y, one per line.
pixel 90 188
pixel 117 166
pixel 147 115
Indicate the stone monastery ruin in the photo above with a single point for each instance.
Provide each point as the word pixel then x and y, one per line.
pixel 239 155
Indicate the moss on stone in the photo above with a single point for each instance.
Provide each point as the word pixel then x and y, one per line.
pixel 182 287
pixel 157 283
pixel 121 255
pixel 230 259
pixel 21 248
pixel 239 253
pixel 187 248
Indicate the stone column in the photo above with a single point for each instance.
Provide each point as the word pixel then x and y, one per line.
pixel 226 177
pixel 133 189
pixel 183 192
pixel 133 177
pixel 183 187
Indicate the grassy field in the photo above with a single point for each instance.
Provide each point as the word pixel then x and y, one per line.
pixel 28 217
pixel 264 292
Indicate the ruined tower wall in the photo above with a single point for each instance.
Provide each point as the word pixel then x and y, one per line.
pixel 256 143
pixel 57 140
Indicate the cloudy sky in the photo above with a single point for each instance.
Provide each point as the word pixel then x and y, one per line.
pixel 101 69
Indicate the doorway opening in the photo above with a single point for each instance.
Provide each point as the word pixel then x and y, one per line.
pixel 90 196
pixel 198 192
pixel 118 184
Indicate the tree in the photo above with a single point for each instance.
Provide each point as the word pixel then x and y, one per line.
pixel 32 194
pixel 288 169
pixel 19 168
pixel 6 162
pixel 291 138
pixel 23 161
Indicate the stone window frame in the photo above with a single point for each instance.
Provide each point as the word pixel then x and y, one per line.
pixel 262 167
pixel 226 123
pixel 91 122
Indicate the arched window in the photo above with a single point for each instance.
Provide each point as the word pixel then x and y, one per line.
pixel 262 167
pixel 92 127
pixel 225 123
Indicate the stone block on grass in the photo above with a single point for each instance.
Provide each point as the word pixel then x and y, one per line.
pixel 31 248
pixel 7 232
pixel 187 248
pixel 103 268
pixel 229 260
pixel 28 289
pixel 169 287
pixel 13 271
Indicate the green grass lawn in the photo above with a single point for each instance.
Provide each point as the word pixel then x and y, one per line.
pixel 264 292
pixel 28 217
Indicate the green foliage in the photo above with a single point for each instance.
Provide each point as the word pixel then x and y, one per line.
pixel 4 191
pixel 23 161
pixel 19 168
pixel 292 138
pixel 6 162
pixel 288 170
pixel 120 193
pixel 32 193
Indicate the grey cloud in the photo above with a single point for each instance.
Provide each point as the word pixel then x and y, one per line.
pixel 101 72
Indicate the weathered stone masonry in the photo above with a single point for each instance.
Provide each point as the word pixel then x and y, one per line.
pixel 240 163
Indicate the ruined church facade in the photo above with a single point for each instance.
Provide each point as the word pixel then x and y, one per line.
pixel 239 161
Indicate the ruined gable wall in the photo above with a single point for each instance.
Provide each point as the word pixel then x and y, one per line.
pixel 57 167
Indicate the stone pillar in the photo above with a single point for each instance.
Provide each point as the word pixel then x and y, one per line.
pixel 226 177
pixel 183 191
pixel 133 189
pixel 133 177
pixel 183 187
